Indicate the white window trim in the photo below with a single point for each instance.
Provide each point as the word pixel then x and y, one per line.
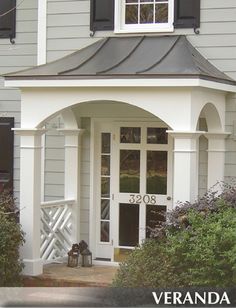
pixel 120 26
pixel 42 32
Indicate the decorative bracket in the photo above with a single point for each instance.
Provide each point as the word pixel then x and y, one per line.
pixel 92 33
pixel 12 40
pixel 196 31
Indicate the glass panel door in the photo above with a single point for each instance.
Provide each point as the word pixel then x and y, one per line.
pixel 132 183
pixel 143 162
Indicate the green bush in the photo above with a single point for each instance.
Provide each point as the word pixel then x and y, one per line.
pixel 195 247
pixel 11 237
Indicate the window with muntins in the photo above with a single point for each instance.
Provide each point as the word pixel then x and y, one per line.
pixel 129 16
pixel 144 15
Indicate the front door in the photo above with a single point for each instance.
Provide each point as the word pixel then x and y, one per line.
pixel 135 185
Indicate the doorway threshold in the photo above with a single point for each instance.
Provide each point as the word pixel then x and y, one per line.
pixel 105 262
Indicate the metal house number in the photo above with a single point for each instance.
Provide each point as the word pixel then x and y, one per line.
pixel 147 199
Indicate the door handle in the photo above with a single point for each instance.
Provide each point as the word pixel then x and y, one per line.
pixel 168 198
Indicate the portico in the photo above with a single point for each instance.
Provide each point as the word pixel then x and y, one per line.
pixel 143 143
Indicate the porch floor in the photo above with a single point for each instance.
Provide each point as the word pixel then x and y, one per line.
pixel 60 275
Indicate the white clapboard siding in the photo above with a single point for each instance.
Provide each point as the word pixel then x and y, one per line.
pixel 21 55
pixel 203 157
pixel 230 156
pixel 54 161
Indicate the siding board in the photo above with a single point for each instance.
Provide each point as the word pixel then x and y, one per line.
pixel 70 7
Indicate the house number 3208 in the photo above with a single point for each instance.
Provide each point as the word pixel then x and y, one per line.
pixel 147 199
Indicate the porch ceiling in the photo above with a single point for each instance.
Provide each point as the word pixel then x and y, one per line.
pixel 130 57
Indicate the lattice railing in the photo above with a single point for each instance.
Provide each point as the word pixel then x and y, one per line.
pixel 56 229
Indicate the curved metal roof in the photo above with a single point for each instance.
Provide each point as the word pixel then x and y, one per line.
pixel 130 57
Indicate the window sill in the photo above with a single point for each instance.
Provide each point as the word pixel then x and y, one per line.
pixel 144 30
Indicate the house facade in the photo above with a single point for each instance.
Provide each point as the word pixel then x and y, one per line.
pixel 129 109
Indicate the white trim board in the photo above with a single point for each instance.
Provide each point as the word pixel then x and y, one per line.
pixel 147 82
pixel 42 32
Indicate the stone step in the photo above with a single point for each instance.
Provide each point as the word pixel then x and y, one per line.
pixel 59 275
pixel 41 281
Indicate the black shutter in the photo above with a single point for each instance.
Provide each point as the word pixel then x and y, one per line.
pixel 7 18
pixel 187 14
pixel 6 152
pixel 101 15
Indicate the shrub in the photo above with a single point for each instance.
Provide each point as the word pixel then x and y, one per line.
pixel 11 237
pixel 196 246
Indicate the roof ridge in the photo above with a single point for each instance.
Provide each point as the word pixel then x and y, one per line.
pixel 89 58
pixel 125 58
pixel 161 59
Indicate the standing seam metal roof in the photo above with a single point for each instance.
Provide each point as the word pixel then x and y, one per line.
pixel 132 57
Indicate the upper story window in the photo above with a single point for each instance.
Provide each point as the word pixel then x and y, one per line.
pixel 7 18
pixel 144 16
pixel 129 16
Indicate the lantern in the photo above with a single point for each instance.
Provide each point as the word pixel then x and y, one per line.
pixel 73 256
pixel 86 258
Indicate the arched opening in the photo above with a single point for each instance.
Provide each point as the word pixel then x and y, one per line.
pixel 213 122
pixel 210 122
pixel 149 157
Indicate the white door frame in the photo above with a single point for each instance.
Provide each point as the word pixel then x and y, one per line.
pixel 98 126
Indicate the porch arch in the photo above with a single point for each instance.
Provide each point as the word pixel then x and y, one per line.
pixel 70 120
pixel 214 147
pixel 212 116
pixel 156 101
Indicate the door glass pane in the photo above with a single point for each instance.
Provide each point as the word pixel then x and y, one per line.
pixel 130 134
pixel 157 135
pixel 106 142
pixel 155 214
pixel 105 187
pixel 105 209
pixel 129 224
pixel 105 227
pixel 156 172
pixel 105 165
pixel 129 171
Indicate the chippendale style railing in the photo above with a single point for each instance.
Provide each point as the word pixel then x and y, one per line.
pixel 56 229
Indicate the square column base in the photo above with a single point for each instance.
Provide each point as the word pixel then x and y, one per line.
pixel 33 267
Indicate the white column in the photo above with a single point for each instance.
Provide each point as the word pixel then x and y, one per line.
pixel 30 198
pixel 185 171
pixel 72 175
pixel 216 158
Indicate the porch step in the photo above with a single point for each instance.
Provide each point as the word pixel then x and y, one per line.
pixel 59 275
pixel 41 281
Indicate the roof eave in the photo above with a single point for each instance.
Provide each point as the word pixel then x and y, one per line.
pixel 120 81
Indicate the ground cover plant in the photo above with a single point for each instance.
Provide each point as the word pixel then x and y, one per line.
pixel 11 238
pixel 196 246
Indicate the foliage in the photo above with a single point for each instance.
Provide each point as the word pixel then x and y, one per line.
pixel 196 246
pixel 11 238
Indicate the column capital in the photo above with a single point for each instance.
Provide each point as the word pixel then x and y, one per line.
pixel 185 134
pixel 29 131
pixel 217 135
pixel 71 131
